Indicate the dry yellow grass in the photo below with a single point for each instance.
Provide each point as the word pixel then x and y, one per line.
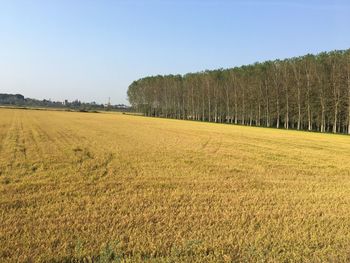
pixel 98 186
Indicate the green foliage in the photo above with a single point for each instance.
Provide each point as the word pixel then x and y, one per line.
pixel 310 92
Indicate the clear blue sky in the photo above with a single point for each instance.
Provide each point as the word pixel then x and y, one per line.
pixel 92 50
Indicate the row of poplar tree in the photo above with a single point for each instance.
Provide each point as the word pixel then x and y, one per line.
pixel 311 92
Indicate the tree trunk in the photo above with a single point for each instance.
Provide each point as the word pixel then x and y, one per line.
pixel 243 109
pixel 203 109
pixel 227 106
pixel 236 108
pixel 259 114
pixel 348 80
pixel 192 102
pixel 299 108
pixel 183 107
pixel 336 94
pixel 323 120
pixel 297 77
pixel 335 118
pixel 286 123
pixel 250 116
pixel 308 103
pixel 278 113
pixel 267 107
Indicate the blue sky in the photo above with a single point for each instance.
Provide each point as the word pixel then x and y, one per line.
pixel 92 50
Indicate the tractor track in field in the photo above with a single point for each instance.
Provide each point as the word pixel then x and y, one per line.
pixel 10 146
pixel 22 142
pixel 5 135
pixel 205 144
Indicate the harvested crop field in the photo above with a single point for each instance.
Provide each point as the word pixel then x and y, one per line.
pixel 106 186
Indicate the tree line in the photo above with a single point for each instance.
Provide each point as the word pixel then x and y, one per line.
pixel 18 100
pixel 310 92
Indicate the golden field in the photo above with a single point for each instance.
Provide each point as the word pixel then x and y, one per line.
pixel 102 187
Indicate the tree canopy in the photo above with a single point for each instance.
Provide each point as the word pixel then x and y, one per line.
pixel 310 92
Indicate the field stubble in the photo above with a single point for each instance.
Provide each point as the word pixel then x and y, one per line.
pixel 111 186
